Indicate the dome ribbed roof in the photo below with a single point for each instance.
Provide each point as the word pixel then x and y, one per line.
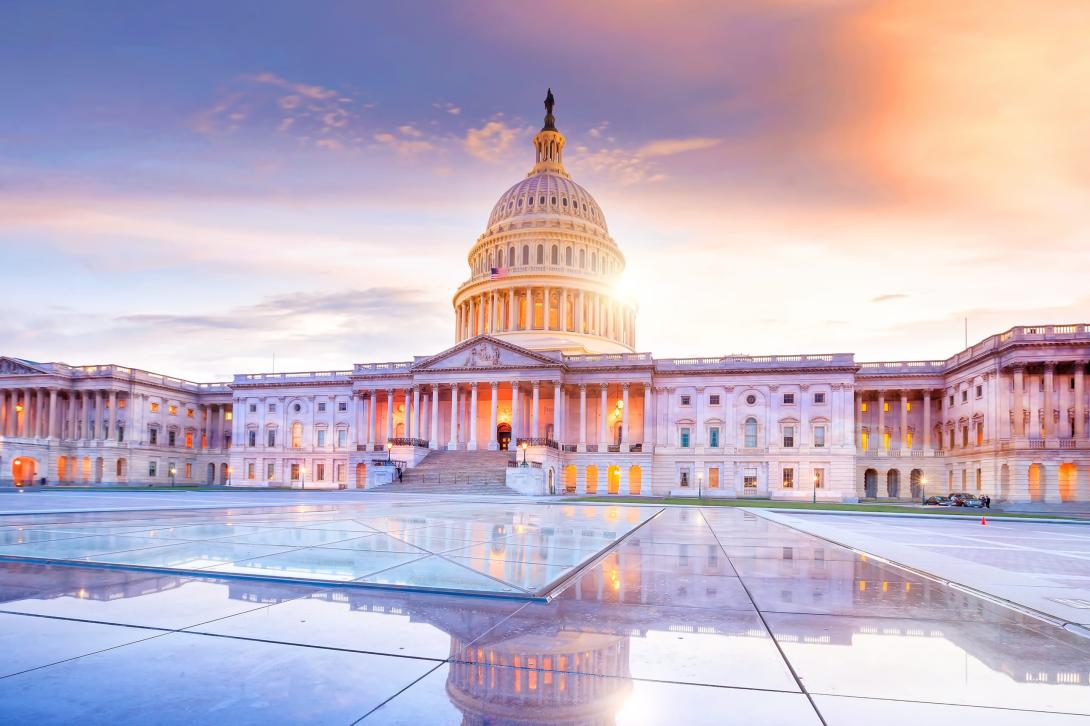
pixel 547 194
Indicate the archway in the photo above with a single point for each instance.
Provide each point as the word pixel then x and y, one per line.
pixel 893 483
pixel 62 469
pixel 119 469
pixel 569 478
pixel 211 478
pixel 223 473
pixel 915 483
pixel 23 470
pixel 635 480
pixel 85 470
pixel 613 480
pixel 503 435
pixel 1068 483
pixel 361 475
pixel 1004 481
pixel 591 473
pixel 1036 490
pixel 870 483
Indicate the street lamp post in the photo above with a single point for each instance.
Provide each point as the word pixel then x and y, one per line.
pixel 302 476
pixel 173 471
pixel 389 449
pixel 814 500
pixel 523 446
pixel 229 470
pixel 700 486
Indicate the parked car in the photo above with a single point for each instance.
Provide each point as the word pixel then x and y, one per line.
pixel 973 501
pixel 937 501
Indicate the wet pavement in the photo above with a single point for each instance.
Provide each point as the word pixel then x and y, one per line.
pixel 699 616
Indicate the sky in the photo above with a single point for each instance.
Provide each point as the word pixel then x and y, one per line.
pixel 204 188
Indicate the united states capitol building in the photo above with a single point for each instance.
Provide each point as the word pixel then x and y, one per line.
pixel 546 369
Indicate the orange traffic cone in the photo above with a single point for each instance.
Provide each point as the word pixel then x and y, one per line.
pixel 983 521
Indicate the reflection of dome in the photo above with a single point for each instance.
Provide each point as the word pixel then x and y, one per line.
pixel 543 195
pixel 543 274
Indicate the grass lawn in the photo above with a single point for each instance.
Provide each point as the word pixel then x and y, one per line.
pixel 179 488
pixel 820 506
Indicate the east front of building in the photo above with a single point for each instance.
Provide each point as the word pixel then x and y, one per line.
pixel 545 370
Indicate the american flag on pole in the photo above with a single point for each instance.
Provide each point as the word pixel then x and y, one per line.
pixel 497 273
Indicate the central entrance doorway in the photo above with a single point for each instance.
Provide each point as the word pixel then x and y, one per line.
pixel 503 436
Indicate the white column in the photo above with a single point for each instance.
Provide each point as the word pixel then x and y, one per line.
pixel 580 306
pixel 433 406
pixel 515 428
pixel 1019 404
pixel 582 415
pixel 603 433
pixel 372 406
pixel 558 434
pixel 624 416
pixel 416 413
pixel 452 443
pixel 647 416
pixel 563 309
pixel 904 422
pixel 535 432
pixel 1080 404
pixel 389 414
pixel 493 441
pixel 1049 432
pixel 472 416
pixel 927 420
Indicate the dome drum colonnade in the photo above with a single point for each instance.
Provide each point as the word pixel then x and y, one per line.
pixel 546 264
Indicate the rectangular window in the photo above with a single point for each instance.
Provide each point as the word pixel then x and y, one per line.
pixel 253 408
pixel 951 399
pixel 121 403
pixel 154 407
pixel 908 405
pixel 270 471
pixel 908 439
pixel 788 436
pixel 272 437
pixel 951 438
pixel 980 391
pixel 789 398
pixel 789 478
pixel 251 438
pixel 272 408
pixel 319 472
pixel 171 438
pixel 685 437
pixel 865 443
pixel 172 410
pixel 819 436
pixel 686 400
pixel 819 478
pixel 189 439
pixel 153 435
pixel 713 477
pixel 342 406
pixel 342 439
pixel 340 472
pixel 295 472
pixel 964 436
pixel 885 406
pixel 885 440
pixel 321 407
pixel 713 437
pixel 713 400
pixel 964 396
pixel 979 433
pixel 749 478
pixel 189 413
pixel 863 407
pixel 321 438
pixel 120 434
pixel 153 468
pixel 188 470
pixel 819 398
pixel 251 474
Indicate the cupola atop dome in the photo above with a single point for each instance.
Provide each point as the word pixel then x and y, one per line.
pixel 549 144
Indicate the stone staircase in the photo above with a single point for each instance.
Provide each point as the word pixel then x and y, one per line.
pixel 457 472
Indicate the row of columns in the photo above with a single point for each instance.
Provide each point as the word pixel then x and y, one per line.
pixel 1021 373
pixel 421 414
pixel 86 415
pixel 513 308
pixel 902 398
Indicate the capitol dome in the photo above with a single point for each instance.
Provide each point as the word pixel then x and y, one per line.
pixel 544 272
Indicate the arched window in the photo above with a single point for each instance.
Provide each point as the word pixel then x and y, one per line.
pixel 564 201
pixel 582 259
pixel 593 261
pixel 530 201
pixel 556 255
pixel 297 435
pixel 511 255
pixel 541 254
pixel 520 202
pixel 499 257
pixel 526 254
pixel 751 433
pixel 567 257
pixel 490 262
pixel 541 199
pixel 554 201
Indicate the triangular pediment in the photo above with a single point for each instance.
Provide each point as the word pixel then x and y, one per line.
pixel 16 367
pixel 485 352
